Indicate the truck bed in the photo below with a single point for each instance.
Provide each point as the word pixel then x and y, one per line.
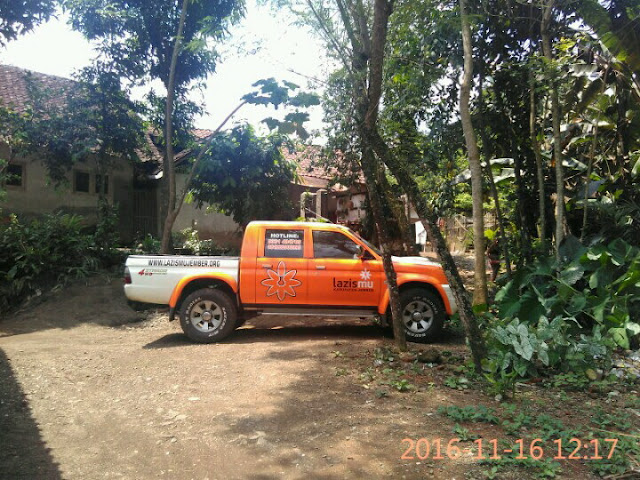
pixel 154 277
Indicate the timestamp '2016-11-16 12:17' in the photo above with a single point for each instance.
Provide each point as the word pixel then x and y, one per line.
pixel 573 449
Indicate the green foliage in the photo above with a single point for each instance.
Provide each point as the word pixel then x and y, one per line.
pixel 568 316
pixel 188 242
pixel 627 451
pixel 245 176
pixel 402 385
pixel 140 39
pixel 570 381
pixel 542 468
pixel 42 253
pixel 148 244
pixel 518 421
pixel 464 434
pixel 457 383
pixel 610 219
pixel 100 118
pixel 106 235
pixel 184 113
pixel 18 18
pixel 271 92
pixel 481 413
pixel 3 178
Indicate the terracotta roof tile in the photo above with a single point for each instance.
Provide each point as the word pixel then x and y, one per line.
pixel 14 91
pixel 201 133
pixel 308 161
pixel 311 169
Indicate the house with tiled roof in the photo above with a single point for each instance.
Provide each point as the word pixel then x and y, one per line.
pixel 137 188
pixel 29 191
pixel 319 194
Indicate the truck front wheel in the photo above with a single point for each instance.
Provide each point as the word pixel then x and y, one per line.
pixel 208 315
pixel 422 314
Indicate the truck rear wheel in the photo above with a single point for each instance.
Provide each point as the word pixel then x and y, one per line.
pixel 422 315
pixel 208 315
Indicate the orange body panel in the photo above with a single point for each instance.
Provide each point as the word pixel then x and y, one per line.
pixel 278 268
pixel 177 291
pixel 308 281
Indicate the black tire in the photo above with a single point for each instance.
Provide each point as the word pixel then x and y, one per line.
pixel 422 314
pixel 208 315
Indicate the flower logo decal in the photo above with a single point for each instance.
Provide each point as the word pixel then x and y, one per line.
pixel 365 275
pixel 281 282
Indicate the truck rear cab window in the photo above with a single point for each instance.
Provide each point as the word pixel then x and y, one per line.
pixel 333 245
pixel 284 243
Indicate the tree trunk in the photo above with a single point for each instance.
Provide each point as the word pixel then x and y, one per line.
pixel 592 156
pixel 367 58
pixel 535 146
pixel 522 225
pixel 486 147
pixel 622 122
pixel 555 115
pixel 480 291
pixel 400 214
pixel 430 222
pixel 169 166
pixel 368 105
pixel 375 196
pixel 501 233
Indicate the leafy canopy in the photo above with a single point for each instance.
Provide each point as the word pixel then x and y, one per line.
pixel 244 176
pixel 139 35
pixel 18 17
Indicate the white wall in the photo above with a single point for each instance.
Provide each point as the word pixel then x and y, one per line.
pixel 217 226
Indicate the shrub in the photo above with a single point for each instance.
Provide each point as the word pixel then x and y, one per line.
pixel 567 315
pixel 147 244
pixel 41 253
pixel 188 242
pixel 106 235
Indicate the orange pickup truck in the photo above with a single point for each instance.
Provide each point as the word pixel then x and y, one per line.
pixel 290 268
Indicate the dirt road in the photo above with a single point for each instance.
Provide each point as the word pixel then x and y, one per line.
pixel 91 389
pixel 88 394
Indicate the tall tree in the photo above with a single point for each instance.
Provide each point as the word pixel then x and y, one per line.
pixel 163 40
pixel 245 176
pixel 480 290
pixel 371 86
pixel 367 60
pixel 104 121
pixel 357 40
pixel 547 47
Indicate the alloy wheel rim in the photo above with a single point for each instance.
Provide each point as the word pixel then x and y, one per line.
pixel 206 316
pixel 417 316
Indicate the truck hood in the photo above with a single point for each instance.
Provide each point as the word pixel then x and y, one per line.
pixel 415 261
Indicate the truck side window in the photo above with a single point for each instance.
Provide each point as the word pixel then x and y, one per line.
pixel 333 245
pixel 284 244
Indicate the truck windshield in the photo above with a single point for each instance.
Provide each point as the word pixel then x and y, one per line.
pixel 370 245
pixel 367 243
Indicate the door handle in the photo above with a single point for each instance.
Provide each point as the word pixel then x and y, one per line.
pixel 266 265
pixel 321 267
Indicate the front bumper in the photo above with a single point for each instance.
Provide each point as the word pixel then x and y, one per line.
pixel 452 301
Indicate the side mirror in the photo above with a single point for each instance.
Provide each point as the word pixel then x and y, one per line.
pixel 360 253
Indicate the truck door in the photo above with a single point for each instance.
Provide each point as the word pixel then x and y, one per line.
pixel 281 268
pixel 338 277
